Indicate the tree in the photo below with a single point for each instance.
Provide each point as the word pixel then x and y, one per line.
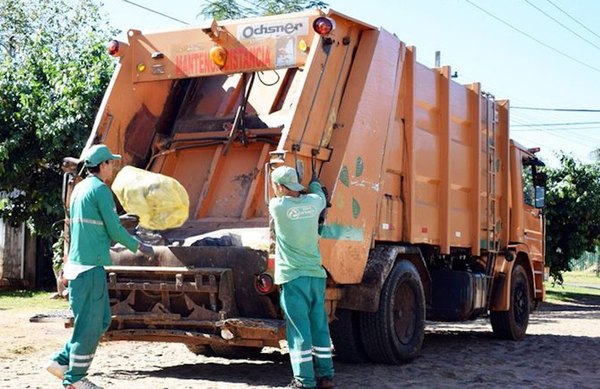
pixel 52 76
pixel 225 9
pixel 572 213
pixel 232 9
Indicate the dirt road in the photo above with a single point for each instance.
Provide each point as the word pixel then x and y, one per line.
pixel 562 350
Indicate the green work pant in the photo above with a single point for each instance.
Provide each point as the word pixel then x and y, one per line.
pixel 88 298
pixel 307 330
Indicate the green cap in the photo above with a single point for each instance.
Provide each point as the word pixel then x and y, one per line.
pixel 97 154
pixel 286 176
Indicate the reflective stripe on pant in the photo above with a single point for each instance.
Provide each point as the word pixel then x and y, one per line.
pixel 307 330
pixel 88 298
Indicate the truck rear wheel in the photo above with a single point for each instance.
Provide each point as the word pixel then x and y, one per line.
pixel 346 337
pixel 394 334
pixel 512 324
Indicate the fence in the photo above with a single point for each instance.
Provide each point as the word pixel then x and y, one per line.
pixel 587 262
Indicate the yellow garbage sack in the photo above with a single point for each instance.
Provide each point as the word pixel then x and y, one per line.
pixel 160 201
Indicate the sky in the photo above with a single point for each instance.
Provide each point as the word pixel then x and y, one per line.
pixel 536 53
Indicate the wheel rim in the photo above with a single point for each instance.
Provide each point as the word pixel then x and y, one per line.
pixel 520 305
pixel 405 317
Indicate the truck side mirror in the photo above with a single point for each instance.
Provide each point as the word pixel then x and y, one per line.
pixel 539 179
pixel 540 196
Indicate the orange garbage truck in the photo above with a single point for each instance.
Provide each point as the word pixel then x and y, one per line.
pixel 434 212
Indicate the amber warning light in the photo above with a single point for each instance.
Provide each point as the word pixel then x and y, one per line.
pixel 323 25
pixel 218 55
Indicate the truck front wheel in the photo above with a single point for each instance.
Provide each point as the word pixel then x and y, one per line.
pixel 394 334
pixel 512 324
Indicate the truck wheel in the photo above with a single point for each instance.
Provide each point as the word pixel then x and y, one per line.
pixel 394 334
pixel 236 352
pixel 200 349
pixel 512 324
pixel 346 337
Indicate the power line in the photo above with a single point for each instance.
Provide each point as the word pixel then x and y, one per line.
pixel 552 129
pixel 561 24
pixel 156 12
pixel 568 138
pixel 572 18
pixel 555 124
pixel 533 38
pixel 556 109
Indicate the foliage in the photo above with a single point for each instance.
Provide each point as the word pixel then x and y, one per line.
pixel 232 9
pixel 58 252
pixel 272 7
pixel 52 76
pixel 224 9
pixel 572 213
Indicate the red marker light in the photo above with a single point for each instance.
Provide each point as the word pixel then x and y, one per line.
pixel 323 25
pixel 264 283
pixel 113 48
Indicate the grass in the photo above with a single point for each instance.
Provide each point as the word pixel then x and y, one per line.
pixel 24 300
pixel 581 277
pixel 577 287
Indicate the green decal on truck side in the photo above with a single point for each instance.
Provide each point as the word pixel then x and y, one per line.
pixel 345 177
pixel 360 167
pixel 339 232
pixel 355 208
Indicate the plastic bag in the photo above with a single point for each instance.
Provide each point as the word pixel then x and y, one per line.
pixel 160 201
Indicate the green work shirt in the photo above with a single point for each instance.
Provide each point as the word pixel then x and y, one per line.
pixel 296 221
pixel 94 224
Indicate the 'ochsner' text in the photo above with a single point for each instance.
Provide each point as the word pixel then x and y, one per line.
pixel 253 31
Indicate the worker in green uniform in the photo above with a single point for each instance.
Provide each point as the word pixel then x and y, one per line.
pixel 301 277
pixel 94 223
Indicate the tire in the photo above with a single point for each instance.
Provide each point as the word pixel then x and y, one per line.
pixel 394 334
pixel 200 349
pixel 236 352
pixel 512 324
pixel 346 337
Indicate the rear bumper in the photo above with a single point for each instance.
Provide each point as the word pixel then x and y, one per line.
pixel 196 296
pixel 232 332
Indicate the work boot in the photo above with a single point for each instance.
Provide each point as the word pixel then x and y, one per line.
pixel 325 383
pixel 84 383
pixel 56 369
pixel 297 384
